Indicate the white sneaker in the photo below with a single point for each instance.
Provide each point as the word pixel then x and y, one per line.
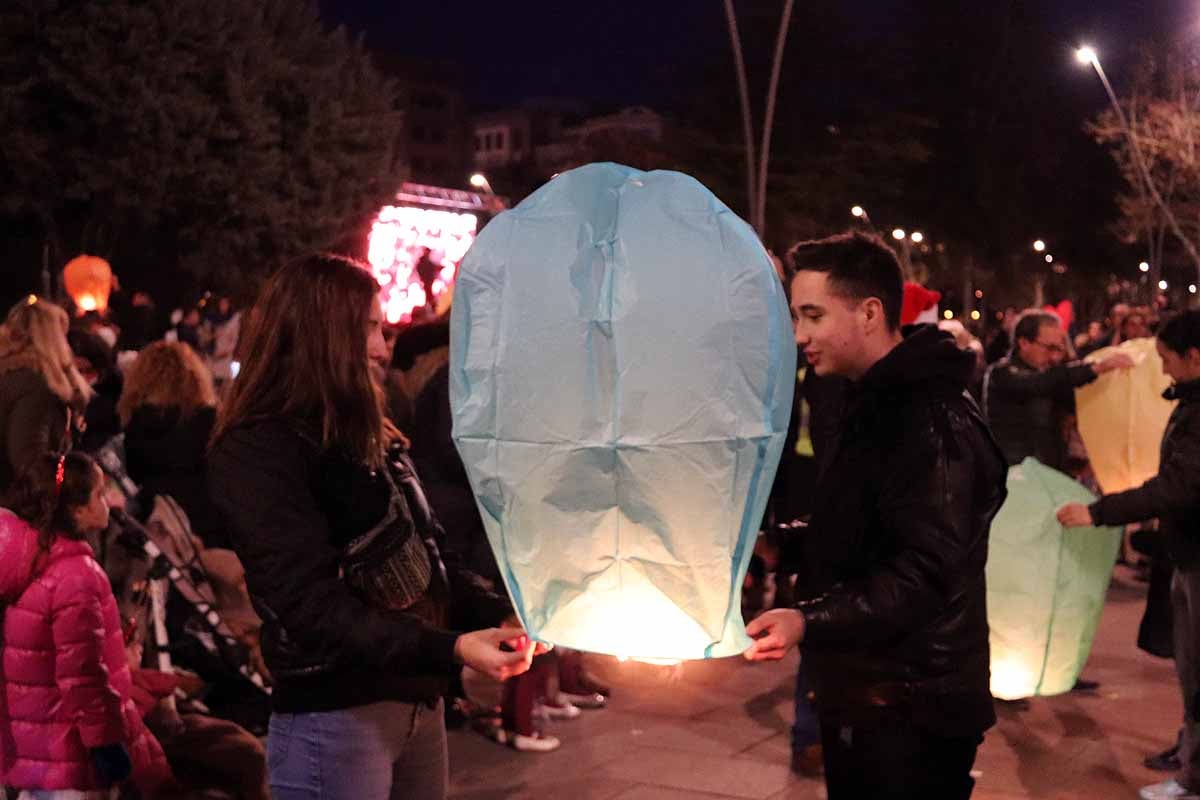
pixel 582 700
pixel 538 743
pixel 545 711
pixel 1167 790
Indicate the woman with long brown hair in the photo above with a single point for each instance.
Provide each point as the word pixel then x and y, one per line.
pixel 343 559
pixel 41 391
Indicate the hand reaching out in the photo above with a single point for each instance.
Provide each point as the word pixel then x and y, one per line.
pixel 774 633
pixel 1075 515
pixel 1115 361
pixel 539 648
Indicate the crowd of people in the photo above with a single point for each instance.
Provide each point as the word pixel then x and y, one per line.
pixel 297 482
pixel 193 562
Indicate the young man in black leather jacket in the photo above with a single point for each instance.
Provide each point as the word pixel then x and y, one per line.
pixel 894 627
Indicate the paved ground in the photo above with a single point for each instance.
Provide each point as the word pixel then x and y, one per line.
pixel 720 730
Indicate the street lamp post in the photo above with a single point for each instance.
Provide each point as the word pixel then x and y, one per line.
pixel 858 212
pixel 1088 55
pixel 756 190
pixel 903 237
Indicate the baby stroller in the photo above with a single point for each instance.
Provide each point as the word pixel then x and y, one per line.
pixel 190 602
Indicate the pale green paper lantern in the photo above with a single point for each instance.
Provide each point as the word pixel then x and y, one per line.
pixel 1045 585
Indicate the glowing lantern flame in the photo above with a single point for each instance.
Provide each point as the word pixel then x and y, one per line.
pixel 398 236
pixel 1012 680
pixel 88 280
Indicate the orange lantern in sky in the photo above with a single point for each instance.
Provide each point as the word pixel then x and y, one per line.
pixel 88 280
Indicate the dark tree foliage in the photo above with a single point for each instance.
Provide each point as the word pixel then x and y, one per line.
pixel 221 137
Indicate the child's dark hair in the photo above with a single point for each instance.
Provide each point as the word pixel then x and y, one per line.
pixel 37 497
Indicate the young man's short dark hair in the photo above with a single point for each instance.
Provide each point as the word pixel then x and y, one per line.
pixel 1181 332
pixel 858 265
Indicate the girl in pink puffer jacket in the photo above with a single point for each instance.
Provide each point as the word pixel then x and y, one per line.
pixel 67 721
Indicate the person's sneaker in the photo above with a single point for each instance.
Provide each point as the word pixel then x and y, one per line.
pixel 809 762
pixel 560 711
pixel 594 700
pixel 1167 790
pixel 1166 761
pixel 537 743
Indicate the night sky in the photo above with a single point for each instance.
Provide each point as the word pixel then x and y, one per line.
pixel 847 60
pixel 611 51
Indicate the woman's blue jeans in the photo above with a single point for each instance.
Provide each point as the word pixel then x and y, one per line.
pixel 382 751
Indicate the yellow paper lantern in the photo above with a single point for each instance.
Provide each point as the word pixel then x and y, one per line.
pixel 88 280
pixel 1122 417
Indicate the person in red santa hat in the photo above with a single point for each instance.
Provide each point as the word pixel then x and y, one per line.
pixel 920 305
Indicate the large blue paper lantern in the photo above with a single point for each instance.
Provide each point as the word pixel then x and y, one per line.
pixel 621 375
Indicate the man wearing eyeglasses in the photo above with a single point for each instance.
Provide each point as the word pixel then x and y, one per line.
pixel 1027 394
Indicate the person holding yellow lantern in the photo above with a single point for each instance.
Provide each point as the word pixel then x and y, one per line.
pixel 1173 496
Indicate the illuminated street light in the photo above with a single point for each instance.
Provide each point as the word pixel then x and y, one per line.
pixel 899 235
pixel 1049 258
pixel 858 211
pixel 1162 285
pixel 1191 288
pixel 975 315
pixel 948 314
pixel 480 182
pixel 979 294
pixel 918 237
pixel 1144 267
pixel 1087 55
pixel 1039 246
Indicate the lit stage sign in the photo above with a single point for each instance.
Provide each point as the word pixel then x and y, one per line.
pixel 399 236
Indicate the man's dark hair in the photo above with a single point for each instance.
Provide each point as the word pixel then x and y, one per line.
pixel 858 265
pixel 1181 332
pixel 1030 322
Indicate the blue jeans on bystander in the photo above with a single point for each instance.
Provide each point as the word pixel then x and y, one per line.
pixel 381 751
